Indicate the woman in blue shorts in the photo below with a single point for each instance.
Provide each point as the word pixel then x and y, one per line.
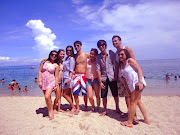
pixel 92 82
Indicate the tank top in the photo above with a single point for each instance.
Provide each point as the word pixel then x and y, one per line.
pixel 131 76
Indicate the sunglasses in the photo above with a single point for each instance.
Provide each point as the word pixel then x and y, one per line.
pixel 101 45
pixel 76 45
pixel 68 50
pixel 54 54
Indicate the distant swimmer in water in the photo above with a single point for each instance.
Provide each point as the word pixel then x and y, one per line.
pixel 25 89
pixel 17 85
pixel 19 89
pixel 179 76
pixel 2 81
pixel 167 78
pixel 36 80
pixel 175 77
pixel 9 86
pixel 12 85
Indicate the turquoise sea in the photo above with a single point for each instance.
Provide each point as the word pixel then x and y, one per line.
pixel 153 70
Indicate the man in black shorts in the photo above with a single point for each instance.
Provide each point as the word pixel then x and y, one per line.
pixel 105 64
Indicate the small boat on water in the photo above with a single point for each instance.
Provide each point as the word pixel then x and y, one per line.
pixel 32 67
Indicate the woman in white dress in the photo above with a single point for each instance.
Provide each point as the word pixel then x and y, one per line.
pixel 130 70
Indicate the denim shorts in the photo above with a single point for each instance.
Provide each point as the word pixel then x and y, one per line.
pixel 89 82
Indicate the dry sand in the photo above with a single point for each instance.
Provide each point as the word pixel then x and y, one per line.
pixel 25 116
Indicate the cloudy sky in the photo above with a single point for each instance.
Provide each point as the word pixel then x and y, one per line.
pixel 29 30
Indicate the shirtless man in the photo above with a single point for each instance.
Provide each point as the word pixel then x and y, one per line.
pixel 79 77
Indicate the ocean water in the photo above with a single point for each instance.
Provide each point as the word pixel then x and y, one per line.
pixel 153 70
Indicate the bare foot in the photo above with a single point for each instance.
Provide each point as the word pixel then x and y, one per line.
pixel 55 112
pixel 147 122
pixel 60 110
pixel 72 111
pixel 126 123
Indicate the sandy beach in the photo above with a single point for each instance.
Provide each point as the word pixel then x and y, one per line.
pixel 26 115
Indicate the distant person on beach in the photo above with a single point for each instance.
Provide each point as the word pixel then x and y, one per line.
pixel 59 89
pixel 105 62
pixel 167 78
pixel 175 77
pixel 2 82
pixel 36 80
pixel 79 81
pixel 25 89
pixel 67 80
pixel 47 81
pixel 92 82
pixel 12 85
pixel 130 70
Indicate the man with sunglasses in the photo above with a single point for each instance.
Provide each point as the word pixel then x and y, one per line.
pixel 79 77
pixel 105 65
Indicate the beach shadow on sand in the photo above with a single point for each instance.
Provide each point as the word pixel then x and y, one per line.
pixel 110 113
pixel 44 110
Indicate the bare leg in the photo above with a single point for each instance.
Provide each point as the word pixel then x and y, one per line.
pixel 59 101
pixel 76 98
pixel 85 101
pixel 57 92
pixel 143 111
pixel 96 89
pixel 135 95
pixel 90 96
pixel 116 99
pixel 49 103
pixel 68 98
pixel 105 106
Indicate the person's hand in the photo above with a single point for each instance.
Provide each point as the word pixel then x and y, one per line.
pixel 102 85
pixel 68 82
pixel 139 86
pixel 55 88
pixel 40 85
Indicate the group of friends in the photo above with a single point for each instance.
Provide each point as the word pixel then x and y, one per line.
pixel 83 72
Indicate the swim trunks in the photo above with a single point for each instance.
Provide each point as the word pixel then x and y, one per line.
pixel 79 83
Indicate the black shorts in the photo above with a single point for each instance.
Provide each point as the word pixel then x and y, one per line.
pixel 113 88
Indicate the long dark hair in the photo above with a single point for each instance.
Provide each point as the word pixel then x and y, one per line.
pixel 127 56
pixel 49 58
pixel 69 46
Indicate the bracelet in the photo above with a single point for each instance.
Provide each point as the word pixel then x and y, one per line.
pixel 69 78
pixel 100 82
pixel 56 85
pixel 141 82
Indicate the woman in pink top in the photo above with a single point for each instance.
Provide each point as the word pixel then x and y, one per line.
pixel 47 81
pixel 91 79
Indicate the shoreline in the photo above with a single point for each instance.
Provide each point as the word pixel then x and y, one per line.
pixel 26 115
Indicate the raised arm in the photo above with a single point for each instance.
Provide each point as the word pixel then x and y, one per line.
pixel 130 52
pixel 87 55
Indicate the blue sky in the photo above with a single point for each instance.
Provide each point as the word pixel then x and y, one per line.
pixel 31 29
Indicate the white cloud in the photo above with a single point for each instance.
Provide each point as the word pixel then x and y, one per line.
pixel 43 37
pixel 154 24
pixel 2 58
